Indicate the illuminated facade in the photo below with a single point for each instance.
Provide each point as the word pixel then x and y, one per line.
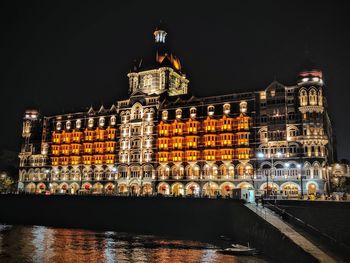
pixel 163 140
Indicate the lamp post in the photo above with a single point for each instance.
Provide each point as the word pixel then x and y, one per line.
pixel 114 172
pixel 329 169
pixel 301 181
pixel 261 155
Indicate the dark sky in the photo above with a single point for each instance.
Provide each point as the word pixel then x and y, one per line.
pixel 66 57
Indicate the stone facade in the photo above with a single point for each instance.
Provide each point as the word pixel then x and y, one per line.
pixel 163 140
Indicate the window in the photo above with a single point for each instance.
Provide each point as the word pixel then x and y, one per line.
pixel 164 115
pixel 78 124
pixel 303 97
pixel 58 126
pixel 147 81
pixel 90 122
pixel 101 121
pixel 243 107
pixel 313 97
pixel 68 125
pixel 178 113
pixel 113 120
pixel 226 108
pixel 137 113
pixel 193 112
pixel 211 110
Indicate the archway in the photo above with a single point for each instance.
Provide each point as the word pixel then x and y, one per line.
pixel 122 189
pixel 86 187
pixel 226 188
pixel 244 185
pixel 41 187
pixel 193 189
pixel 272 188
pixel 30 188
pixel 290 189
pixel 164 189
pixel 98 188
pixel 135 189
pixel 109 188
pixel 63 188
pixel 311 188
pixel 210 189
pixel 53 188
pixel 147 189
pixel 177 189
pixel 74 187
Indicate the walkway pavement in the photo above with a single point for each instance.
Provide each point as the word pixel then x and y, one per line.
pixel 293 235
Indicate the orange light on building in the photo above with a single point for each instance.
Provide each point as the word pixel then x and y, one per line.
pixel 163 156
pixel 55 150
pixel 64 160
pixel 177 156
pixel 88 147
pixel 243 153
pixel 74 160
pixel 66 137
pixel 99 147
pixel 110 158
pixel 56 137
pixel 100 134
pixel 55 160
pixel 110 147
pixel 89 135
pixel 98 159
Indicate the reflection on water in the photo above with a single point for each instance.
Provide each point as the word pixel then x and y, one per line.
pixel 45 244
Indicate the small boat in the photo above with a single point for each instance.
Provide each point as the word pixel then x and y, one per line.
pixel 237 249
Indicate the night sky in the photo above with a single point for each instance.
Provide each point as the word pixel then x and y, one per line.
pixel 64 58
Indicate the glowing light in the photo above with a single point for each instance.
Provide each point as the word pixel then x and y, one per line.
pixel 260 155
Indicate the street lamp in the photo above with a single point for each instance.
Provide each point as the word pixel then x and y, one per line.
pixel 272 171
pixel 301 181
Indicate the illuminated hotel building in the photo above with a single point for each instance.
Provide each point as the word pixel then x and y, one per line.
pixel 163 140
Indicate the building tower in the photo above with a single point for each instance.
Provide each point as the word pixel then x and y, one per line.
pixel 316 127
pixel 163 74
pixel 33 154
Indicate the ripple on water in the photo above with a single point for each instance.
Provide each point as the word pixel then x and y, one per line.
pixel 50 245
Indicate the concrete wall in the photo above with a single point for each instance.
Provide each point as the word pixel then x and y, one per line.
pixel 331 218
pixel 198 219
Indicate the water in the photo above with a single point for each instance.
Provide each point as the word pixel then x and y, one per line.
pixel 46 244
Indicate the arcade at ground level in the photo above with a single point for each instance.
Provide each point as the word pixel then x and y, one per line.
pixel 289 189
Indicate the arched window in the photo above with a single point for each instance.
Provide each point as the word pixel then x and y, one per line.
pixel 164 115
pixel 101 121
pixel 313 97
pixel 211 110
pixel 226 108
pixel 113 120
pixel 193 112
pixel 91 122
pixel 58 126
pixel 223 170
pixel 137 113
pixel 320 98
pixel 147 81
pixel 303 97
pixel 78 124
pixel 243 107
pixel 178 113
pixel 68 125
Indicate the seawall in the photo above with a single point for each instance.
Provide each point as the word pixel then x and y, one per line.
pixel 190 218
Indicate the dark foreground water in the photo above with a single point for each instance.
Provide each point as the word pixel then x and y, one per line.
pixel 46 244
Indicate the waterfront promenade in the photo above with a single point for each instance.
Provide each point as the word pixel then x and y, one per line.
pixel 291 233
